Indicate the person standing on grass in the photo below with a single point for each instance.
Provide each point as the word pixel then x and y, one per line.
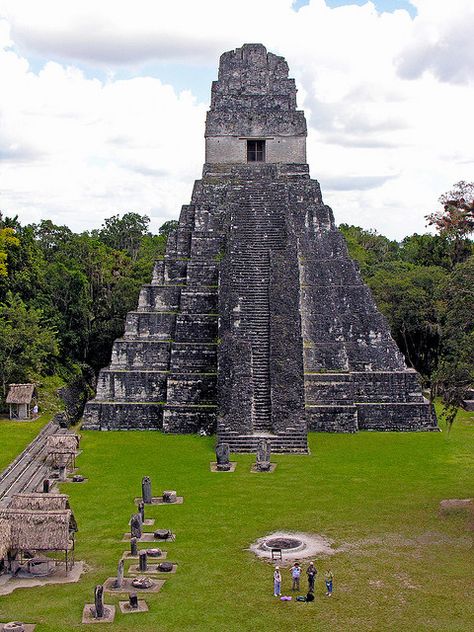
pixel 277 582
pixel 311 572
pixel 328 577
pixel 295 575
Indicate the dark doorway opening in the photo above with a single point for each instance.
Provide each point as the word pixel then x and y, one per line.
pixel 255 151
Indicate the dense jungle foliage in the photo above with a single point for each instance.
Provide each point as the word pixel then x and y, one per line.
pixel 64 296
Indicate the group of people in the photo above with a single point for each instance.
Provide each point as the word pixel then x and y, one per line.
pixel 296 572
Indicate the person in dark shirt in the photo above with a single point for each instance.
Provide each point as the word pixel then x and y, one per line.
pixel 311 572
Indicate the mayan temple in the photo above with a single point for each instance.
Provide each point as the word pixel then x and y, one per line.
pixel 257 322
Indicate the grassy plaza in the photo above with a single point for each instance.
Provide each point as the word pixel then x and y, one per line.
pixel 375 495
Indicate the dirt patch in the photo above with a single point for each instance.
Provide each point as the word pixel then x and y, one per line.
pixel 312 545
pixel 58 577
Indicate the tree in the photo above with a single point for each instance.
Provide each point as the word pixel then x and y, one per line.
pixel 7 241
pixel 456 219
pixel 168 227
pixel 367 247
pixel 408 295
pixel 434 250
pixel 455 372
pixel 125 233
pixel 28 346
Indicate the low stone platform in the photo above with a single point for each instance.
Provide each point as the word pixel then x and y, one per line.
pixel 29 627
pixel 213 467
pixel 128 556
pixel 128 588
pixel 125 607
pixel 8 583
pixel 152 570
pixel 146 537
pixel 148 522
pixel 255 470
pixel 158 500
pixel 88 616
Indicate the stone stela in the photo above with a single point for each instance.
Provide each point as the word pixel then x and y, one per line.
pixel 257 322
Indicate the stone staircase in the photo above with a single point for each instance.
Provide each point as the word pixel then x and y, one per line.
pixel 290 442
pixel 253 236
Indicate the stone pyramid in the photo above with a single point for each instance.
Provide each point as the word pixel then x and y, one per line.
pixel 257 323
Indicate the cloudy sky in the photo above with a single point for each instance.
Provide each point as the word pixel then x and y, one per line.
pixel 102 103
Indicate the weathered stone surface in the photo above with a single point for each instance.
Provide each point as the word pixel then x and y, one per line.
pixel 136 526
pixel 256 321
pixel 169 496
pixel 223 457
pixel 146 490
pixel 119 580
pixel 142 561
pixel 99 601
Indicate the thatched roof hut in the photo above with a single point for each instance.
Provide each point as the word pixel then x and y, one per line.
pixel 40 530
pixel 20 393
pixel 41 502
pixel 5 538
pixel 62 448
pixel 20 397
pixel 66 442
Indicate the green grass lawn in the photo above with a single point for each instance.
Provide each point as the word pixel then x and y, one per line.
pixel 16 435
pixel 404 568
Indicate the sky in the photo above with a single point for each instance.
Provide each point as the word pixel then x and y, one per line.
pixel 102 104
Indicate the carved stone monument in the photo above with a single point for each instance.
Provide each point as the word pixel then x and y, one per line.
pixel 258 263
pixel 142 561
pixel 141 511
pixel 46 486
pixel 99 610
pixel 262 463
pixel 133 546
pixel 136 526
pixel 146 490
pixel 223 457
pixel 119 581
pixel 133 601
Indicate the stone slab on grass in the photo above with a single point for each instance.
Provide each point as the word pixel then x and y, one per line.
pixel 8 584
pixel 272 469
pixel 148 522
pixel 88 616
pixel 29 627
pixel 128 588
pixel 146 537
pixel 152 570
pixel 125 607
pixel 128 556
pixel 158 500
pixel 213 466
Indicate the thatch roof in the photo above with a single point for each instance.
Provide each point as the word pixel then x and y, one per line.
pixel 39 530
pixel 63 443
pixel 5 538
pixel 40 502
pixel 20 393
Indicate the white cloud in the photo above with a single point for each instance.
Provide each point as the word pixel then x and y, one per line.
pixel 387 97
